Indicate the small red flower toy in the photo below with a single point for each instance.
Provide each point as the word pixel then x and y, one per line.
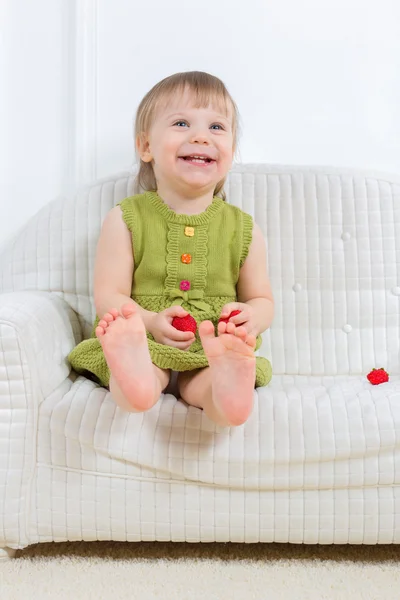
pixel 226 319
pixel 185 323
pixel 378 376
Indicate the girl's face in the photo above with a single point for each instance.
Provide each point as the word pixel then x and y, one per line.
pixel 180 130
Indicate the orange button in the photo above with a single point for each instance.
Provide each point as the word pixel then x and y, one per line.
pixel 189 231
pixel 186 258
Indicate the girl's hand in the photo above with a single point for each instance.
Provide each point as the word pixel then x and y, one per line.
pixel 245 318
pixel 160 327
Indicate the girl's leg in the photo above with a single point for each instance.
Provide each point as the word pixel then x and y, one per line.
pixel 162 377
pixel 195 389
pixel 224 390
pixel 135 382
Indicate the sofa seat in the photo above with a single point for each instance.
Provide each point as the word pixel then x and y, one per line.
pixel 318 453
pixel 305 432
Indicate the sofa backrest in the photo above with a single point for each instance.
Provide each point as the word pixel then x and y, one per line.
pixel 333 244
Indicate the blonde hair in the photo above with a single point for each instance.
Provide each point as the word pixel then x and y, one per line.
pixel 206 88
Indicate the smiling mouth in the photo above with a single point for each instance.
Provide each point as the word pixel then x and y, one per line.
pixel 197 161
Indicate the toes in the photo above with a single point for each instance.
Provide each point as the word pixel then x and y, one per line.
pixel 221 327
pixel 206 329
pixel 241 333
pixel 108 317
pixel 103 323
pixel 127 310
pixel 99 331
pixel 251 341
pixel 114 312
pixel 226 328
pixel 230 328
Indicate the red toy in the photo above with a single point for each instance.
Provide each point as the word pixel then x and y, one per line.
pixel 185 323
pixel 378 376
pixel 233 314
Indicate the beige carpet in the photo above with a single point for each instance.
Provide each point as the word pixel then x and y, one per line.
pixel 118 570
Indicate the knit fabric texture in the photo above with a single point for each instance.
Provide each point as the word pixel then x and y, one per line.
pixel 189 260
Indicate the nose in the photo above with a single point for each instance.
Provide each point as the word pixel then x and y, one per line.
pixel 200 137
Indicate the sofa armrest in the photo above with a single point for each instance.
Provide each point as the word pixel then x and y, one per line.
pixel 37 332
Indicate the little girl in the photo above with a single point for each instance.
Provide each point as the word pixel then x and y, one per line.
pixel 180 249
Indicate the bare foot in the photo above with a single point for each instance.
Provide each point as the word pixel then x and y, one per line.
pixel 233 369
pixel 124 342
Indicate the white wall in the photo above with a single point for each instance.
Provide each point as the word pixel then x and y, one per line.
pixel 316 82
pixel 34 108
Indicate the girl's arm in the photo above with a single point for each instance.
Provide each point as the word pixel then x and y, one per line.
pixel 114 267
pixel 254 288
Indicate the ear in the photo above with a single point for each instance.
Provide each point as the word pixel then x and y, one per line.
pixel 143 146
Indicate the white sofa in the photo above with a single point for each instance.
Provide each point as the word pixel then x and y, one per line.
pixel 319 459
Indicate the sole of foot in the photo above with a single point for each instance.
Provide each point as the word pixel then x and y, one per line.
pixel 122 336
pixel 233 369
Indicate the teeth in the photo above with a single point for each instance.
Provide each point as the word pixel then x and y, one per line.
pixel 197 159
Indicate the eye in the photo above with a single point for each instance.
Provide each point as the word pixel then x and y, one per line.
pixel 214 124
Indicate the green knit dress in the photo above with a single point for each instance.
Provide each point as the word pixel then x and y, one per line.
pixel 189 260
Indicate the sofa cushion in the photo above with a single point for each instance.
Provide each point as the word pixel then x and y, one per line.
pixel 304 433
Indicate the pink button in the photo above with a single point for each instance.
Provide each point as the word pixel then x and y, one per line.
pixel 184 285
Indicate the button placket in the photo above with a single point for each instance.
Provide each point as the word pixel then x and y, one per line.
pixel 186 259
